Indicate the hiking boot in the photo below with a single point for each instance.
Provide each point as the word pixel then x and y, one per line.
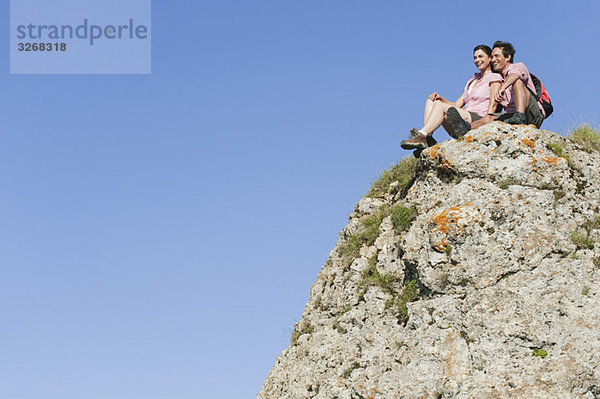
pixel 430 143
pixel 459 125
pixel 517 118
pixel 418 141
pixel 430 140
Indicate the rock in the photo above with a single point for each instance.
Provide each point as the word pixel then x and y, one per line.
pixel 487 294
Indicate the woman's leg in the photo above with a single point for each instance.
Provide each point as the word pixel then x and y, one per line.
pixel 466 115
pixel 437 116
pixel 428 108
pixel 448 127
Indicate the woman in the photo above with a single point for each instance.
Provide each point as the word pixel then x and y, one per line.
pixel 477 99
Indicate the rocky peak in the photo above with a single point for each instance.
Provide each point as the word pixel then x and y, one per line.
pixel 477 278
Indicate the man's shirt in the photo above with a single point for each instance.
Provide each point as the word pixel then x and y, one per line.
pixel 519 69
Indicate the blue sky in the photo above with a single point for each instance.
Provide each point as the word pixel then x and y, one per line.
pixel 160 233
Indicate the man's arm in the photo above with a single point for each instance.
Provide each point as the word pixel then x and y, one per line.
pixel 510 80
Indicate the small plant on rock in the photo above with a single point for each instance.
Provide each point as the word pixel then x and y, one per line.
pixel 410 293
pixel 337 326
pixel 296 334
pixel 403 173
pixel 540 353
pixel 402 217
pixel 582 241
pixel 592 224
pixel 508 182
pixel 349 370
pixel 351 249
pixel 559 193
pixel 371 276
pixel 586 136
pixel 559 150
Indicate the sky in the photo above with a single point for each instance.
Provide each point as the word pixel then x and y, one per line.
pixel 159 233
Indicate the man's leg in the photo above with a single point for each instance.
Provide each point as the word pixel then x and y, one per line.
pixel 533 113
pixel 521 95
pixel 483 121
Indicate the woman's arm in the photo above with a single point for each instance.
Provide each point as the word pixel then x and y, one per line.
pixel 460 102
pixel 494 88
pixel 436 97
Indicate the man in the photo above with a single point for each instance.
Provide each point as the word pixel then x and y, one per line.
pixel 515 94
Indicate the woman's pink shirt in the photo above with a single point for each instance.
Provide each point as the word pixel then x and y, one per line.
pixel 477 99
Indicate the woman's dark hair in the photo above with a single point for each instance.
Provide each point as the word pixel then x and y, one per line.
pixel 484 48
pixel 507 49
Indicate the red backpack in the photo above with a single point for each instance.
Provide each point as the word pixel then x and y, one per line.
pixel 541 95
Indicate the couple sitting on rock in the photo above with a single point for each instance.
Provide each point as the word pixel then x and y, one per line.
pixel 499 83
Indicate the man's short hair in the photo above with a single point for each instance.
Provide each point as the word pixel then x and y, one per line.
pixel 507 49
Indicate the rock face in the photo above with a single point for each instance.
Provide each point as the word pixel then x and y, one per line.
pixel 478 279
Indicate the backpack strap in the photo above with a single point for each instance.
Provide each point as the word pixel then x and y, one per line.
pixel 538 87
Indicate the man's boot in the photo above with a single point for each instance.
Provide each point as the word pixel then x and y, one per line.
pixel 518 118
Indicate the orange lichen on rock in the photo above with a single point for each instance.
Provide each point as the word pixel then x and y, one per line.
pixel 434 153
pixel 441 245
pixel 441 222
pixel 551 161
pixel 468 139
pixel 529 143
pixel 447 217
